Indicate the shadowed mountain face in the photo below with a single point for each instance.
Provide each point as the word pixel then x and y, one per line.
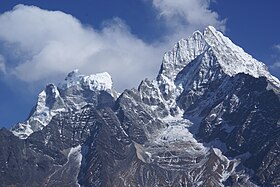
pixel 210 118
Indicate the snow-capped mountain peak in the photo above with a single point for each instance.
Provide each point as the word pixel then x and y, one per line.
pixel 99 81
pixel 194 62
pixel 182 53
pixel 232 58
pixel 208 119
pixel 72 94
pixel 73 78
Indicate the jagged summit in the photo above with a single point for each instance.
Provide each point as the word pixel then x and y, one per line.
pixel 99 81
pixel 208 119
pixel 231 58
pixel 201 59
pixel 72 94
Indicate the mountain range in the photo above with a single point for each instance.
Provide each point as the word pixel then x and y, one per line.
pixel 211 117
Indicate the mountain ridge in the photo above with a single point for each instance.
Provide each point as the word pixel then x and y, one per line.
pixel 210 118
pixel 61 98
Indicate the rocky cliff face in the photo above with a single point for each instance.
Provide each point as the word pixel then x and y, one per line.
pixel 72 94
pixel 210 118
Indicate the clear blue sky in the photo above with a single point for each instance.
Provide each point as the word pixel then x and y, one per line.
pixel 148 26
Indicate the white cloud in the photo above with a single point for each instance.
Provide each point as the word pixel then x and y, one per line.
pixel 54 43
pixel 2 64
pixel 58 43
pixel 277 47
pixel 186 16
pixel 276 65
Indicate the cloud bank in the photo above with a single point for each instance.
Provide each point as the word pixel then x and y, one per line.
pixel 55 43
pixel 46 45
pixel 185 16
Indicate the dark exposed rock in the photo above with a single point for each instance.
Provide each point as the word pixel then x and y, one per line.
pixel 210 118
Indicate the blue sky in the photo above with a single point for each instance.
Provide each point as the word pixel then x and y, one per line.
pixel 41 43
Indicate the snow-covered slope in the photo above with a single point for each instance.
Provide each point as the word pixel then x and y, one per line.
pixel 208 80
pixel 234 59
pixel 202 54
pixel 72 94
pixel 100 81
pixel 210 118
